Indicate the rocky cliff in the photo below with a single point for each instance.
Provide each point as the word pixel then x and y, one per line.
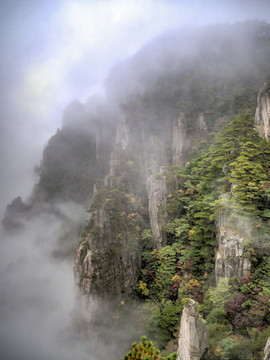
pixel 193 339
pixel 130 193
pixel 262 115
pixel 179 139
pixel 157 198
pixel 230 253
pixel 108 260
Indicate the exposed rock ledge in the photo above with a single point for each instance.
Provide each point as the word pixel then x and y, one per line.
pixel 230 258
pixel 193 339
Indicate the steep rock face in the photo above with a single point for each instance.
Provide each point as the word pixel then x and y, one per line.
pixel 134 145
pixel 186 129
pixel 139 153
pixel 230 259
pixel 157 197
pixel 122 132
pixel 193 339
pixel 262 115
pixel 121 143
pixel 140 150
pixel 201 125
pixel 267 350
pixel 179 133
pixel 108 260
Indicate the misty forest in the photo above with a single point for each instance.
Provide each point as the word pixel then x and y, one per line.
pixel 157 198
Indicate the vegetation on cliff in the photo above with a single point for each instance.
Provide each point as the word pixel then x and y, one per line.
pixel 233 178
pixel 230 178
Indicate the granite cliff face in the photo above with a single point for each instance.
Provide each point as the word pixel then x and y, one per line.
pixel 262 115
pixel 157 197
pixel 179 138
pixel 108 260
pixel 230 253
pixel 193 339
pixel 134 189
pixel 185 130
pixel 230 260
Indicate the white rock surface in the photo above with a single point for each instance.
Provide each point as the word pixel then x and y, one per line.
pixel 157 196
pixel 179 133
pixel 230 259
pixel 193 339
pixel 262 115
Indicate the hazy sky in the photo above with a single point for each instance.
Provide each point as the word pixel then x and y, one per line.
pixel 53 52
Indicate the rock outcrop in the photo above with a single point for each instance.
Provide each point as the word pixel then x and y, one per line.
pixel 179 133
pixel 186 129
pixel 262 115
pixel 267 350
pixel 230 259
pixel 201 125
pixel 193 339
pixel 122 130
pixel 108 260
pixel 157 197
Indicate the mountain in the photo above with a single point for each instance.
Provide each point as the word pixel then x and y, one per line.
pixel 174 165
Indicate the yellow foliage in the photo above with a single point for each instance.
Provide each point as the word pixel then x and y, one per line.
pixel 177 279
pixel 131 215
pixel 143 288
pixel 191 284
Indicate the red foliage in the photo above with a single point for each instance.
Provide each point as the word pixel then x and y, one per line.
pixel 197 294
pixel 151 274
pixel 245 279
pixel 251 314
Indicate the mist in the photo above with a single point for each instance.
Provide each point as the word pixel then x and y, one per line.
pixel 53 53
pixel 37 291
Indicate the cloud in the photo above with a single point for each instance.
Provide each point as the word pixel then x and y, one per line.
pixel 37 291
